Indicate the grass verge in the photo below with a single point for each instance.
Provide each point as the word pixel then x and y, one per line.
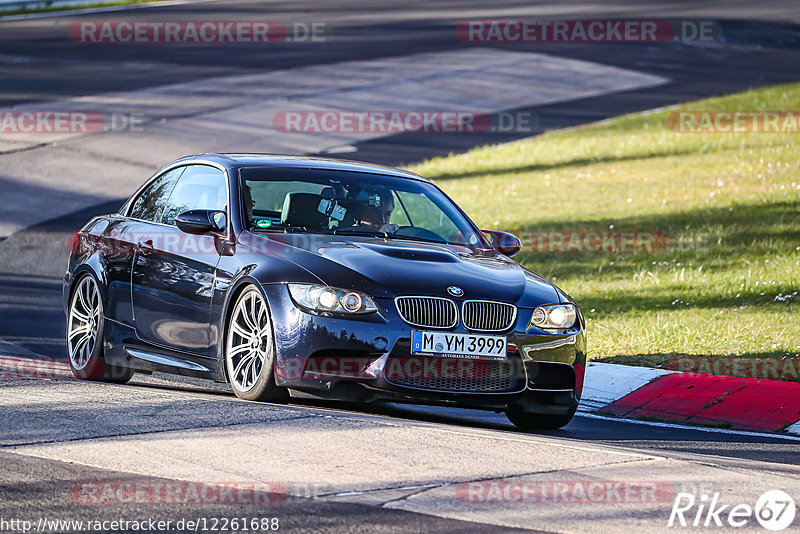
pixel 725 286
pixel 71 7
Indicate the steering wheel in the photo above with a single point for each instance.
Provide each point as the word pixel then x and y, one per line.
pixel 419 233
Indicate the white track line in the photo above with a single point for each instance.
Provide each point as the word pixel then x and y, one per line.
pixel 688 427
pixel 605 383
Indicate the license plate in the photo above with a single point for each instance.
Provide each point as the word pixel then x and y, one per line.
pixel 461 345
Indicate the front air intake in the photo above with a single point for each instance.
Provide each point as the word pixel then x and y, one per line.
pixel 488 316
pixel 428 312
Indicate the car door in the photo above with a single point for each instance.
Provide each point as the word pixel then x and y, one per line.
pixel 123 233
pixel 172 278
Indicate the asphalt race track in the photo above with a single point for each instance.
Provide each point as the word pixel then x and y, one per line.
pixel 384 468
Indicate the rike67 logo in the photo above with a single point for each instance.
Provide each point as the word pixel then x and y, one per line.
pixel 774 510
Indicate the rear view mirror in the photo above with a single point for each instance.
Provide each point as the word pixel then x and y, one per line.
pixel 201 221
pixel 507 244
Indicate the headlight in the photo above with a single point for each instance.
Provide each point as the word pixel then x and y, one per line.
pixel 330 299
pixel 554 316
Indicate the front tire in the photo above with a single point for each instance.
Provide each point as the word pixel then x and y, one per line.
pixel 250 350
pixel 538 421
pixel 85 324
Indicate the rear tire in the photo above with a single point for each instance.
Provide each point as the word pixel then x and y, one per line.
pixel 250 350
pixel 538 421
pixel 85 325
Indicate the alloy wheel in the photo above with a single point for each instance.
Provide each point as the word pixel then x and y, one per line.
pixel 85 314
pixel 249 345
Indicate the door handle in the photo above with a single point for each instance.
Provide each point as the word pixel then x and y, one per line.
pixel 145 247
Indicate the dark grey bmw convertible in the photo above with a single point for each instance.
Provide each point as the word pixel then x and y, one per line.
pixel 338 279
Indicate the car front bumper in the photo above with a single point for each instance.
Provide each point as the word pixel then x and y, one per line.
pixel 368 358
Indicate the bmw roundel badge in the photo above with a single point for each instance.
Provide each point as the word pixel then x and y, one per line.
pixel 455 291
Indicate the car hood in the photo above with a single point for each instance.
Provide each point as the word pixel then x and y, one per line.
pixel 392 267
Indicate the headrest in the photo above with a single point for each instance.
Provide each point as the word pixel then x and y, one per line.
pixel 300 209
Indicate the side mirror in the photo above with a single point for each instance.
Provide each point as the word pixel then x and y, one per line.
pixel 201 221
pixel 507 244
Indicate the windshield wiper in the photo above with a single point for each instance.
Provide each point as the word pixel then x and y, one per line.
pixel 359 231
pixel 378 233
pixel 420 239
pixel 279 228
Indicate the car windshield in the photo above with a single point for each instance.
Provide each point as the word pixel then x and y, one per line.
pixel 351 203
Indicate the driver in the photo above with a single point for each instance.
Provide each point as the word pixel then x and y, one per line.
pixel 374 209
